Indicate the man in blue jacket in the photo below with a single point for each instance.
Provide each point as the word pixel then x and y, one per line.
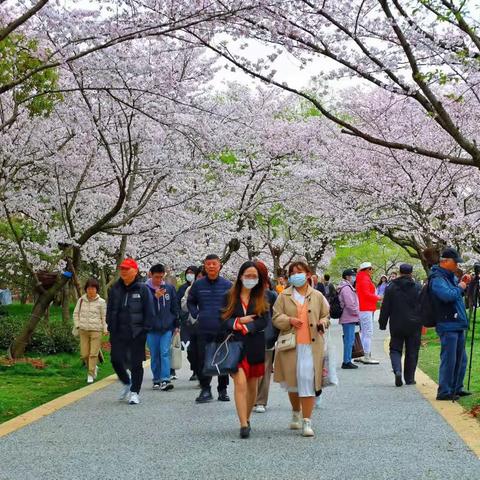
pixel 165 323
pixel 205 303
pixel 452 322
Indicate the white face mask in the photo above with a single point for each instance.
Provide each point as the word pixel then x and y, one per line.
pixel 249 283
pixel 190 277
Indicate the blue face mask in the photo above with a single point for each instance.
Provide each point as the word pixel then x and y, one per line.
pixel 298 279
pixel 353 279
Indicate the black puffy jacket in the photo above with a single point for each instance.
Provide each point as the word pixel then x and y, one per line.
pixel 138 300
pixel 400 307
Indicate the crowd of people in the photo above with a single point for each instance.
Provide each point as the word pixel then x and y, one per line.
pixel 279 329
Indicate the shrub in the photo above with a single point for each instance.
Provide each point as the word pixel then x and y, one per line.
pixel 54 337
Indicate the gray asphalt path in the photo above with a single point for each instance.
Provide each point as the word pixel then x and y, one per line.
pixel 366 428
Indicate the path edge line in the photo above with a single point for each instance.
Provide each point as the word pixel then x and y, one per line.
pixel 37 413
pixel 466 427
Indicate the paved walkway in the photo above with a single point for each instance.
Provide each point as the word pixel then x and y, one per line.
pixel 366 428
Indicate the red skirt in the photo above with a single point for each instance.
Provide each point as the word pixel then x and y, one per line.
pixel 252 371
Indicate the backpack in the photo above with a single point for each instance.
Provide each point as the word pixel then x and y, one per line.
pixel 336 309
pixel 426 311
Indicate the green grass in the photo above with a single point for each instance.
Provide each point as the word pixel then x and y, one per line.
pixel 23 387
pixel 430 359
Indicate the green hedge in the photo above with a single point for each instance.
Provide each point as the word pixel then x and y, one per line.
pixel 48 338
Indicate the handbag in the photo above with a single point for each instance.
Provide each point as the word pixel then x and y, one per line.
pixel 286 341
pixel 329 373
pixel 357 349
pixel 176 353
pixel 222 358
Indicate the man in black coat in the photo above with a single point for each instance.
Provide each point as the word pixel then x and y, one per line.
pixel 399 306
pixel 129 317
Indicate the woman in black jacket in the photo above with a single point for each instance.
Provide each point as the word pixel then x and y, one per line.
pixel 246 315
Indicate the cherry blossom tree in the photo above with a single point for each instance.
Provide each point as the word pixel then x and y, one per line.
pixel 423 52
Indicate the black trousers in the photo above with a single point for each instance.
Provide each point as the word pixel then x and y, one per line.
pixel 192 352
pixel 128 352
pixel 198 344
pixel 412 347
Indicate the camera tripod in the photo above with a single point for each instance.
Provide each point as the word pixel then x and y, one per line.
pixel 473 316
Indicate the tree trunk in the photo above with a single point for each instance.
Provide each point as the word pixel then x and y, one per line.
pixel 103 283
pixel 66 304
pixel 19 344
pixel 44 299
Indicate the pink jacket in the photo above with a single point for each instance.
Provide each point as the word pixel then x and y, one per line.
pixel 349 302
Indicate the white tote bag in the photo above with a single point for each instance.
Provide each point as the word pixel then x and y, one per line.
pixel 176 353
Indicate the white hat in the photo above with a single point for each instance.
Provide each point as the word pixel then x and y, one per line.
pixel 365 265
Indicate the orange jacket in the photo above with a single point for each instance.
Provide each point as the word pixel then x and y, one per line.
pixel 367 298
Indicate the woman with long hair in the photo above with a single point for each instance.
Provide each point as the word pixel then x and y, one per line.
pixel 382 286
pixel 246 315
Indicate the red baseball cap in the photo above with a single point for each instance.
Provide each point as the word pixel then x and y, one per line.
pixel 129 263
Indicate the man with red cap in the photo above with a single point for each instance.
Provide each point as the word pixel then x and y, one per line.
pixel 129 318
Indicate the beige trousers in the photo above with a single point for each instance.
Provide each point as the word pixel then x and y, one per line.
pixel 264 383
pixel 90 342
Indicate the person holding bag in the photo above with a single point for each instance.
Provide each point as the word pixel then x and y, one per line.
pixel 350 316
pixel 89 324
pixel 301 315
pixel 245 316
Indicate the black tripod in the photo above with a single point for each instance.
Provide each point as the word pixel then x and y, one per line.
pixel 474 304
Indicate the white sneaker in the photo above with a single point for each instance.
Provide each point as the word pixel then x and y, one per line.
pixel 307 430
pixel 296 423
pixel 134 399
pixel 90 379
pixel 260 409
pixel 368 360
pixel 124 392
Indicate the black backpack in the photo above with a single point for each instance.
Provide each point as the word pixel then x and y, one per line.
pixel 336 309
pixel 426 312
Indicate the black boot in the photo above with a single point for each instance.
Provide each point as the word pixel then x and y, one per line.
pixel 205 396
pixel 398 380
pixel 223 396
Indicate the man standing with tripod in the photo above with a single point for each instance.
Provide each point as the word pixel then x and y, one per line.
pixel 452 322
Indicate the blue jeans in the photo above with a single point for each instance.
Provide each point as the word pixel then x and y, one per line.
pixel 159 346
pixel 348 340
pixel 453 362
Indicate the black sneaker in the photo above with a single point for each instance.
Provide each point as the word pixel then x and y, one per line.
pixel 193 378
pixel 223 396
pixel 205 396
pixel 463 393
pixel 411 382
pixel 156 386
pixel 244 432
pixel 349 366
pixel 449 397
pixel 398 380
pixel 166 386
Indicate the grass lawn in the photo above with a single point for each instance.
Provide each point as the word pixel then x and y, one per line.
pixel 430 358
pixel 25 386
